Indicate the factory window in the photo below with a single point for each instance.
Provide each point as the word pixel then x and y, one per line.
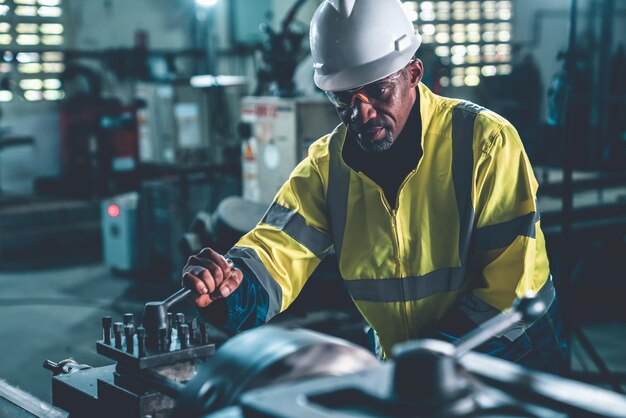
pixel 472 37
pixel 31 35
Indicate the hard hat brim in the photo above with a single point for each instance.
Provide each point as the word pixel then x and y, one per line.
pixel 368 73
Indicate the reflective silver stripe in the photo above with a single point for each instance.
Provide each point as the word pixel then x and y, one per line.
pixel 407 289
pixel 294 225
pixel 337 194
pixel 503 234
pixel 479 311
pixel 463 118
pixel 250 259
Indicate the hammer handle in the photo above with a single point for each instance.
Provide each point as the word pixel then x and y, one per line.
pixel 176 297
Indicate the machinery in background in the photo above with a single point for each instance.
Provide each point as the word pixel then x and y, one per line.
pixel 279 373
pixel 99 148
pixel 281 52
pixel 186 125
pixel 141 230
pixel 276 134
pixel 120 232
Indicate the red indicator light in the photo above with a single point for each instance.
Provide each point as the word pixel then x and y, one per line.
pixel 113 211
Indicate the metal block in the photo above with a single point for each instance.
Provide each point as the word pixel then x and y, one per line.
pixel 77 392
pixel 115 401
pixel 153 359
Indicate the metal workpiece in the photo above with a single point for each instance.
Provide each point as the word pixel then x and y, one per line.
pixel 107 321
pixel 118 327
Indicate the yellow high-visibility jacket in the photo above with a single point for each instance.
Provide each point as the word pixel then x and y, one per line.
pixel 465 231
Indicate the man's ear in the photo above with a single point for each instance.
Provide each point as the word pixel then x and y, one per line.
pixel 416 72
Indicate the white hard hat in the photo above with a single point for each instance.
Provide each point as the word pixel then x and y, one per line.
pixel 356 42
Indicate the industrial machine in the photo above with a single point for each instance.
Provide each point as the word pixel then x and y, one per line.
pixel 276 136
pixel 168 367
pixel 120 232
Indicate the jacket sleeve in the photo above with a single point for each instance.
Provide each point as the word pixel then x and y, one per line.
pixel 508 245
pixel 280 253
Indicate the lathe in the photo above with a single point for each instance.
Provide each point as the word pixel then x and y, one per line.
pixel 169 367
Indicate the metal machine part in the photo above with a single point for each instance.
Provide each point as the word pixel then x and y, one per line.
pixel 267 356
pixel 435 378
pixel 66 366
pixel 159 342
pixel 146 379
pixel 273 372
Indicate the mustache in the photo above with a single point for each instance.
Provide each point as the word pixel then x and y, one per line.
pixel 360 127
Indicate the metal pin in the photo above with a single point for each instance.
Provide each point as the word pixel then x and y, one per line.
pixel 180 318
pixel 129 318
pixel 106 329
pixel 193 326
pixel 129 333
pixel 170 324
pixel 141 341
pixel 163 345
pixel 117 333
pixel 204 331
pixel 183 334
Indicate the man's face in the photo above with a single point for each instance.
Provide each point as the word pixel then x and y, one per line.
pixel 376 113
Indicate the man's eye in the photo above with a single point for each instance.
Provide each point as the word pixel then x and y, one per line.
pixel 378 91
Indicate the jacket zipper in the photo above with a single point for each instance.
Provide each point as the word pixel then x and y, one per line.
pixel 400 272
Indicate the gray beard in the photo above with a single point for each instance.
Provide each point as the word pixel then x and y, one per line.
pixel 375 146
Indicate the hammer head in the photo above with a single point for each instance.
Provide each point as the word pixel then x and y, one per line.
pixel 154 317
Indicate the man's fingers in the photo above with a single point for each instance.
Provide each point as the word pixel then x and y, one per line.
pixel 192 282
pixel 229 285
pixel 217 274
pixel 202 301
pixel 225 264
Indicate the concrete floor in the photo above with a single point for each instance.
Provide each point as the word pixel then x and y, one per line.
pixel 55 313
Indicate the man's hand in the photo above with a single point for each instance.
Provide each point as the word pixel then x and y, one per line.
pixel 211 276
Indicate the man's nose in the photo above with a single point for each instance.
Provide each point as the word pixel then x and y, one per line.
pixel 362 109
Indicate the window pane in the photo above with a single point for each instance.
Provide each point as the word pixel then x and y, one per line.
pixel 51 28
pixel 31 84
pixel 33 95
pixel 6 96
pixel 52 56
pixel 52 84
pixel 26 11
pixel 52 40
pixel 27 57
pixel 53 94
pixel 27 39
pixel 50 11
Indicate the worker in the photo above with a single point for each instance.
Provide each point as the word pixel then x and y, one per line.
pixel 429 204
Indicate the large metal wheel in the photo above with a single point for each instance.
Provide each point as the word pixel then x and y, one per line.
pixel 264 356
